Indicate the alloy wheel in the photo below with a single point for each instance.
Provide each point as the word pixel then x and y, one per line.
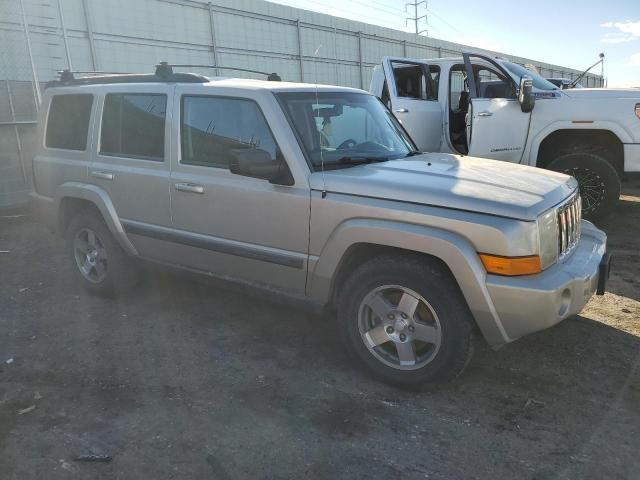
pixel 399 327
pixel 90 255
pixel 591 185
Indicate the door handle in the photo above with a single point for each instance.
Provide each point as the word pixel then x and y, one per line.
pixel 189 187
pixel 102 175
pixel 401 110
pixel 485 114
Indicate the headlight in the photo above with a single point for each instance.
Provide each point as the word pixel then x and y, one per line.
pixel 548 238
pixel 638 110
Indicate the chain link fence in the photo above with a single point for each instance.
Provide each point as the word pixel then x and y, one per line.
pixel 40 37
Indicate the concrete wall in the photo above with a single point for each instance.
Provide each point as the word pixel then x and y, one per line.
pixel 133 35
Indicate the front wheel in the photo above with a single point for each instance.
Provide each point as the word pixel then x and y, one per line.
pixel 406 320
pixel 598 182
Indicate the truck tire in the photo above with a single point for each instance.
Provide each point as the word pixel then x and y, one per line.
pixel 598 181
pixel 406 320
pixel 100 263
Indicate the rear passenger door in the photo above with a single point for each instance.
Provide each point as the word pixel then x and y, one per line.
pixel 232 225
pixel 131 161
pixel 413 94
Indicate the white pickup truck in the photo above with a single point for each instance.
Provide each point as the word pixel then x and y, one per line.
pixel 489 107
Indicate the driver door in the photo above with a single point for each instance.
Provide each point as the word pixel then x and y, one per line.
pixel 413 93
pixel 496 126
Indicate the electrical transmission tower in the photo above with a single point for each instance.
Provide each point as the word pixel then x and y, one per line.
pixel 416 18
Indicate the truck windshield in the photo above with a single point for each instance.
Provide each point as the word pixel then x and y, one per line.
pixel 538 82
pixel 341 129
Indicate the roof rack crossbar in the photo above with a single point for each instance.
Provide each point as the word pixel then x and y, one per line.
pixel 164 68
pixel 68 78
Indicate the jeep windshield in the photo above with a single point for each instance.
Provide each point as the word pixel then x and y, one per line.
pixel 343 129
pixel 519 71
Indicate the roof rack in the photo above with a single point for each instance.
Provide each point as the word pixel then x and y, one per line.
pixel 164 68
pixel 68 78
pixel 164 73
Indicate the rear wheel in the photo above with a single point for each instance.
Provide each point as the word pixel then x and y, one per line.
pixel 597 179
pixel 100 263
pixel 406 320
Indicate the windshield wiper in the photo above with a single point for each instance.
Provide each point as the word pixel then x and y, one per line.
pixel 413 153
pixel 358 160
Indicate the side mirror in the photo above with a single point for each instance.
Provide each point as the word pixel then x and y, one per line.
pixel 526 97
pixel 257 163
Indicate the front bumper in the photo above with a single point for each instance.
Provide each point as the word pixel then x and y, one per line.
pixel 531 303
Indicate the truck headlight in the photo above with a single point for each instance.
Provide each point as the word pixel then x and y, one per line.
pixel 548 238
pixel 638 110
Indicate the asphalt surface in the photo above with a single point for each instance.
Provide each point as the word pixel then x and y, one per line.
pixel 190 378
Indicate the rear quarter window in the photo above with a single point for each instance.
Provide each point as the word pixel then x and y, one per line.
pixel 68 121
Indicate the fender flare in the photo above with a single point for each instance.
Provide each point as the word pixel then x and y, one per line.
pixel 98 197
pixel 453 249
pixel 534 146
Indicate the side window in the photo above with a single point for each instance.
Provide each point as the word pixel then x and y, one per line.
pixel 133 125
pixel 411 81
pixel 434 74
pixel 213 127
pixel 492 84
pixel 386 98
pixel 68 122
pixel 456 87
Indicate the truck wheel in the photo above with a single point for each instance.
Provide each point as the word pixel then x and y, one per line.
pixel 99 261
pixel 597 178
pixel 406 320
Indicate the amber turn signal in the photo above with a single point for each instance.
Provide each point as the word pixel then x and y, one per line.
pixel 511 266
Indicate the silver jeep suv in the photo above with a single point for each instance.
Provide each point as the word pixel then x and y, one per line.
pixel 319 193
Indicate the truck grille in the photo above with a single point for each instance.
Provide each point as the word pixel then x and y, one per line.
pixel 569 216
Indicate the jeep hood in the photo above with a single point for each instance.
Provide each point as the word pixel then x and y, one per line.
pixel 454 181
pixel 602 93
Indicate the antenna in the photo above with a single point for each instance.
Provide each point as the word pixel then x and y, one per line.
pixel 416 19
pixel 315 74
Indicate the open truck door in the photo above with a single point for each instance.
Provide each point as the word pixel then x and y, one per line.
pixel 412 95
pixel 497 123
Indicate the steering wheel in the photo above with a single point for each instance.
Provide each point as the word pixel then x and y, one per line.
pixel 348 143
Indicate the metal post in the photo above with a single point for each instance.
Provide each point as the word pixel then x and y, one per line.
pixel 17 132
pixel 212 30
pixel 404 48
pixel 360 59
pixel 335 54
pixel 36 85
pixel 92 45
pixel 64 36
pixel 300 50
pixel 439 52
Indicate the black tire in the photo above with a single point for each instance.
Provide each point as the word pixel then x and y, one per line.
pixel 119 275
pixel 598 181
pixel 434 284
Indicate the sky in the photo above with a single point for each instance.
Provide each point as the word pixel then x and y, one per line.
pixel 567 33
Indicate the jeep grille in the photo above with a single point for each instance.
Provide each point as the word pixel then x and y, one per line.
pixel 569 230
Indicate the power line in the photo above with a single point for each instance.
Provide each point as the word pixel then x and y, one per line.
pixel 416 19
pixel 444 21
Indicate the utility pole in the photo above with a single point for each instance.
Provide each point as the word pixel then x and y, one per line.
pixel 416 18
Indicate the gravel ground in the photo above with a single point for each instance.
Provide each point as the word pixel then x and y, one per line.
pixel 192 378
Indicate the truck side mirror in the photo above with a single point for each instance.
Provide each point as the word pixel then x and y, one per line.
pixel 526 97
pixel 257 163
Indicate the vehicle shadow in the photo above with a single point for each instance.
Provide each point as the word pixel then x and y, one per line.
pixel 622 229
